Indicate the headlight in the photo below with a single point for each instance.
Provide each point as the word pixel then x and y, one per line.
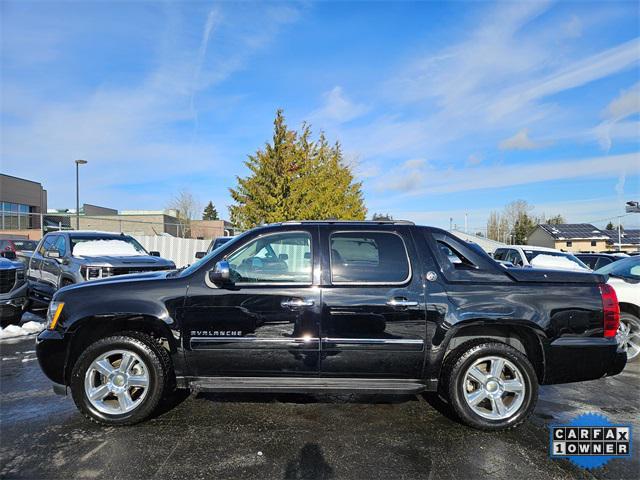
pixel 20 274
pixel 53 314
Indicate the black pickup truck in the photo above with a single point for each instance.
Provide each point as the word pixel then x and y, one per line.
pixel 370 307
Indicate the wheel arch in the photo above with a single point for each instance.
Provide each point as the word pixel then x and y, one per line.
pixel 90 329
pixel 627 307
pixel 523 338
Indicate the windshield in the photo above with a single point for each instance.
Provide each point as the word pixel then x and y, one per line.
pixel 625 268
pixel 196 265
pixel 20 245
pixel 531 254
pixel 106 245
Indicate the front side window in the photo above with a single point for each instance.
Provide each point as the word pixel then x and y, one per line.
pixel 60 245
pixel 368 257
pixel 47 244
pixel 277 258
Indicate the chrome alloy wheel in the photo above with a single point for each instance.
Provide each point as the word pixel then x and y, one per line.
pixel 628 337
pixel 116 382
pixel 494 388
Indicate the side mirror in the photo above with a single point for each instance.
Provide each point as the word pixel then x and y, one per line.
pixel 154 253
pixel 283 257
pixel 221 273
pixel 200 254
pixel 9 254
pixel 52 254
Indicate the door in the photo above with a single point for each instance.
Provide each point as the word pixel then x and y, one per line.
pixel 373 316
pixel 264 323
pixel 34 273
pixel 51 268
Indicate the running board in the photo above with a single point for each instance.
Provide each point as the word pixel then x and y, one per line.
pixel 302 385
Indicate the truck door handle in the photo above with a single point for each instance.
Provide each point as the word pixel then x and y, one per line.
pixel 294 303
pixel 401 302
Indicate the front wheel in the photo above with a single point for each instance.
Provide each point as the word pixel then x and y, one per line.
pixel 491 385
pixel 118 380
pixel 629 335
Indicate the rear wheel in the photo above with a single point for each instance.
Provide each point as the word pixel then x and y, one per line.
pixel 119 380
pixel 490 385
pixel 629 335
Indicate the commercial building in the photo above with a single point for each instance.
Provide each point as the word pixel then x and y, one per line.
pixel 583 237
pixel 21 203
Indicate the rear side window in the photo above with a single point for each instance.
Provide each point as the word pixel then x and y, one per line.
pixel 368 257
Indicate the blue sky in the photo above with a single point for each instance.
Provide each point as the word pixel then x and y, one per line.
pixel 442 108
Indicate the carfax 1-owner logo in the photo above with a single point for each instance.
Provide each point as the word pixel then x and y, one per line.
pixel 590 440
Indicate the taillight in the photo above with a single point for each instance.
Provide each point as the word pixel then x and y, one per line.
pixel 611 310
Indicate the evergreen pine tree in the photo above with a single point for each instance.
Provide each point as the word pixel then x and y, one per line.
pixel 295 178
pixel 210 212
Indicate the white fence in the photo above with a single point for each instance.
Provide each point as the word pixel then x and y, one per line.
pixel 181 250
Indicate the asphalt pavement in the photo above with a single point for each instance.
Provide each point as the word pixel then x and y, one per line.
pixel 292 436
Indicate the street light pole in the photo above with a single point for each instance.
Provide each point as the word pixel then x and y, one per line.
pixel 78 163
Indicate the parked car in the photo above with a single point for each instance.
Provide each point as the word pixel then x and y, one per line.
pixel 70 257
pixel 540 257
pixel 19 246
pixel 624 277
pixel 217 242
pixel 368 307
pixel 13 290
pixel 597 260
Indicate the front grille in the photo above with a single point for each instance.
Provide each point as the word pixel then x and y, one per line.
pixel 7 280
pixel 125 270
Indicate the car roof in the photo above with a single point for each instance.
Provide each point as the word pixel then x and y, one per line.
pixel 535 248
pixel 89 233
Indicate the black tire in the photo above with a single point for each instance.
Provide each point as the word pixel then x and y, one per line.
pixel 12 317
pixel 454 383
pixel 148 351
pixel 634 323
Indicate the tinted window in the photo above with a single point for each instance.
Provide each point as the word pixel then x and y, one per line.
pixel 602 261
pixel 368 257
pixel 25 245
pixel 60 245
pixel 278 258
pixel 500 254
pixel 625 268
pixel 47 244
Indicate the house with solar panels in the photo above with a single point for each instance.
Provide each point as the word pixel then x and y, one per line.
pixel 583 237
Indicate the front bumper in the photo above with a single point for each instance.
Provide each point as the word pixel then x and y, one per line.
pixel 12 303
pixel 576 359
pixel 51 350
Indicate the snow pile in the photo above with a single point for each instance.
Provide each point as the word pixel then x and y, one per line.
pixel 12 331
pixel 96 248
pixel 555 262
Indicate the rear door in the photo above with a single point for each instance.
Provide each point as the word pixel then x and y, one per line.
pixel 373 303
pixel 35 264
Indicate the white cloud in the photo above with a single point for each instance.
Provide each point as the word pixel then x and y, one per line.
pixel 573 75
pixel 519 141
pixel 627 103
pixel 613 127
pixel 573 27
pixel 128 131
pixel 438 181
pixel 338 108
pixel 474 159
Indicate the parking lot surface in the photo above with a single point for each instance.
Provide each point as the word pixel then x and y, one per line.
pixel 292 436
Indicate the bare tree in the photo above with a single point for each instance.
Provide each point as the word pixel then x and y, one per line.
pixel 187 208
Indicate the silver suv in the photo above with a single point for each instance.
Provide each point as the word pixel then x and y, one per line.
pixel 65 258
